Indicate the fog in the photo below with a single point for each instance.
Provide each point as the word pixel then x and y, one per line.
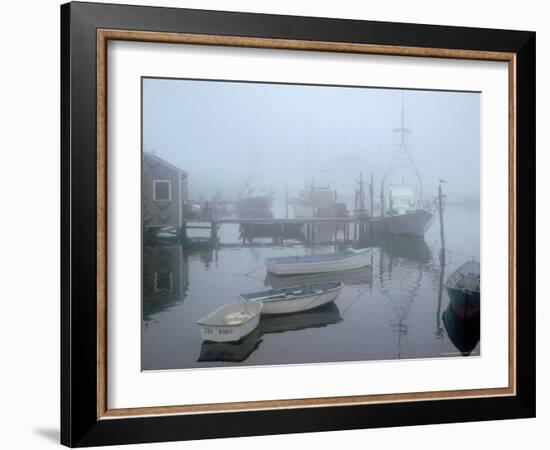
pixel 213 129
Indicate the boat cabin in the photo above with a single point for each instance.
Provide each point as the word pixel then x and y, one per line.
pixel 403 199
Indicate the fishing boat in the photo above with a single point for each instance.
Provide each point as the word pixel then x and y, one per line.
pixel 231 322
pixel 255 199
pixel 323 262
pixel 408 214
pixel 463 287
pixel 317 201
pixel 295 299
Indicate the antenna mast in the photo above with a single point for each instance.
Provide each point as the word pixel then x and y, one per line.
pixel 402 159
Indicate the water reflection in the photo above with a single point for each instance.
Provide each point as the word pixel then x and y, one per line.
pixel 396 308
pixel 230 351
pixel 277 323
pixel 401 280
pixel 315 318
pixel 407 247
pixel 276 232
pixel 165 278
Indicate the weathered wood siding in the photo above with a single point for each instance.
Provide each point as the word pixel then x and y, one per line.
pixel 161 213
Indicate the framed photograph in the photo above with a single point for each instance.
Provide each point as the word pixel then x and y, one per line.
pixel 277 224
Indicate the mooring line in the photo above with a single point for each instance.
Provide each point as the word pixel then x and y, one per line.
pixel 361 292
pixel 252 271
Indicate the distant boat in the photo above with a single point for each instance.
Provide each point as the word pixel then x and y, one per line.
pixel 325 262
pixel 463 287
pixel 295 299
pixel 317 201
pixel 255 198
pixel 231 322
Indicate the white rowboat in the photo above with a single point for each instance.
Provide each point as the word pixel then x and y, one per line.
pixel 231 322
pixel 325 262
pixel 297 298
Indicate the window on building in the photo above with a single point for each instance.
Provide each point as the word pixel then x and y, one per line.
pixel 161 190
pixel 163 281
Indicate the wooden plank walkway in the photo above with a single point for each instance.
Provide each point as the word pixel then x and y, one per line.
pixel 289 221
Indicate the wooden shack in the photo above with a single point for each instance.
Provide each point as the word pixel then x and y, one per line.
pixel 163 193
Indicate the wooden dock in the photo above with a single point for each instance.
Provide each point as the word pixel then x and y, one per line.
pixel 344 229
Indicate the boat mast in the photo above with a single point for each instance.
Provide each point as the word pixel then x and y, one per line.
pixel 402 159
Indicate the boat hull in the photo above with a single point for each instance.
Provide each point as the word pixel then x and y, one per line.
pixel 465 301
pixel 226 333
pixel 408 224
pixel 298 305
pixel 463 329
pixel 356 277
pixel 295 299
pixel 301 268
pixel 212 328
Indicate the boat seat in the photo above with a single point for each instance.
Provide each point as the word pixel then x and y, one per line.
pixel 237 318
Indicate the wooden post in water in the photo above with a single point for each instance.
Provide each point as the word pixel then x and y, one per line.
pixel 286 200
pixel 382 202
pixel 391 212
pixel 183 233
pixel 371 194
pixel 439 329
pixel 371 209
pixel 213 232
pixel 440 202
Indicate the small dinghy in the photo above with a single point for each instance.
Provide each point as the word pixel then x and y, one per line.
pixel 231 322
pixel 297 298
pixel 463 287
pixel 325 262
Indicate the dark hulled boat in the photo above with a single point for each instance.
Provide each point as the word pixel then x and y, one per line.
pixel 462 316
pixel 463 287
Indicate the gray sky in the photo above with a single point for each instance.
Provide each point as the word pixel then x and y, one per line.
pixel 211 129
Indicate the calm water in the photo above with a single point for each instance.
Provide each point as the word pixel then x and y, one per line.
pixel 392 310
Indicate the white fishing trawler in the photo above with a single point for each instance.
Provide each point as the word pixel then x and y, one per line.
pixel 408 214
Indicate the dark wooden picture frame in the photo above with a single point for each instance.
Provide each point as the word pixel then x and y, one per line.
pixel 85 417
